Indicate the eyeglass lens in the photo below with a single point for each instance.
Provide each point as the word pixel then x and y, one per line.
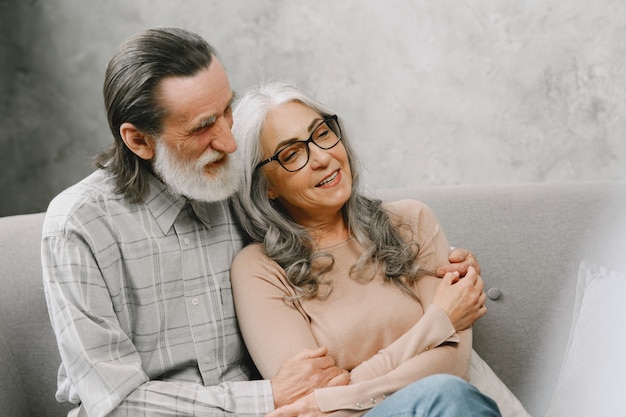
pixel 295 156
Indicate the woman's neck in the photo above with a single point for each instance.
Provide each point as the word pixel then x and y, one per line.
pixel 330 233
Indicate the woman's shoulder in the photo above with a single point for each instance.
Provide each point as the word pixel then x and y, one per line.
pixel 252 249
pixel 253 272
pixel 253 253
pixel 253 262
pixel 409 208
pixel 415 214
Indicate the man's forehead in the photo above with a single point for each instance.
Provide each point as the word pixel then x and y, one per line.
pixel 205 93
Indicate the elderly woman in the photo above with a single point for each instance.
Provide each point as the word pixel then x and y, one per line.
pixel 332 268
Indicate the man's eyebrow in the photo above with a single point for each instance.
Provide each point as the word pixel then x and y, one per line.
pixel 206 122
pixel 210 120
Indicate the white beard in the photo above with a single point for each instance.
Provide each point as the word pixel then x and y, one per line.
pixel 189 179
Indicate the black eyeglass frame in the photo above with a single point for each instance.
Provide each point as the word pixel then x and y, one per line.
pixel 306 143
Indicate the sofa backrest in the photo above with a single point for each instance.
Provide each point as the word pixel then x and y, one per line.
pixel 29 358
pixel 529 240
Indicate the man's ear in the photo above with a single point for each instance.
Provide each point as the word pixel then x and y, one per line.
pixel 140 143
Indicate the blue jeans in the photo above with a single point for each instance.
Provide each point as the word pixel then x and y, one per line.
pixel 437 396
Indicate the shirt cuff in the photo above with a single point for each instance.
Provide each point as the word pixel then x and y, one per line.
pixel 251 397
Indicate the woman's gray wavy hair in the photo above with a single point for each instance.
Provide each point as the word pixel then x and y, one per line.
pixel 290 244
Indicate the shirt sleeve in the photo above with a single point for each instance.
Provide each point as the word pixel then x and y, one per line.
pixel 102 365
pixel 158 398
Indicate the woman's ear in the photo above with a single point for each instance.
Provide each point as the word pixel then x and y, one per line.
pixel 140 143
pixel 272 194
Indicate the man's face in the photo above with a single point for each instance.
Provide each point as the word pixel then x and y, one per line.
pixel 193 153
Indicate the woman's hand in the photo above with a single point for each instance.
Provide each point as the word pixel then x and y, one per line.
pixel 304 407
pixel 462 299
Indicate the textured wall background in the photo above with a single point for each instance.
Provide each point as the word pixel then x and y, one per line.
pixel 435 92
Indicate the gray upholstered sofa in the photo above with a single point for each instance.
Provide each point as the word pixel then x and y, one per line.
pixel 529 239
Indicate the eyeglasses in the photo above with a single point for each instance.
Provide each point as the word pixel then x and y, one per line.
pixel 295 155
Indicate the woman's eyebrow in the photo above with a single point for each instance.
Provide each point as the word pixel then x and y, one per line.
pixel 282 143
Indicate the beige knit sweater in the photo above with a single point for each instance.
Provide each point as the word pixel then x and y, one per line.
pixel 381 335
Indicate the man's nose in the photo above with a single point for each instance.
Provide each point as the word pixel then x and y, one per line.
pixel 224 140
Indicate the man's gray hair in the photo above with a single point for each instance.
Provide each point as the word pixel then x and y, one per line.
pixel 130 90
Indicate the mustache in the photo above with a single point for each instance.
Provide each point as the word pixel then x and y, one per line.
pixel 209 157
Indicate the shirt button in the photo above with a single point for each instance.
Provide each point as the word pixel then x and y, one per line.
pixel 195 301
pixel 373 400
pixel 186 240
pixel 359 405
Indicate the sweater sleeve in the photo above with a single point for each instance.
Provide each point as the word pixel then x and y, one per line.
pixel 418 223
pixel 434 328
pixel 448 358
pixel 431 346
pixel 431 331
pixel 273 329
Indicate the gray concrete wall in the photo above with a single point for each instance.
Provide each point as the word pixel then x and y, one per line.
pixel 434 92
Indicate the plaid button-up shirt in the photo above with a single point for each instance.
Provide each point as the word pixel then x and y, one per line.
pixel 140 300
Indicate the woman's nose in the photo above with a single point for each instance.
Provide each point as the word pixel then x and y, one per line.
pixel 318 157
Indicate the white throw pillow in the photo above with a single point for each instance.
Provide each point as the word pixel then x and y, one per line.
pixel 483 378
pixel 591 382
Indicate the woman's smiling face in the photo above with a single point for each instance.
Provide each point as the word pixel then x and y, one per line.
pixel 323 185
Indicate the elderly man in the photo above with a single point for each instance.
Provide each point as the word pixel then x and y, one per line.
pixel 136 256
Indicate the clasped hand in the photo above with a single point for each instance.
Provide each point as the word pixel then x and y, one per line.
pixel 462 298
pixel 298 377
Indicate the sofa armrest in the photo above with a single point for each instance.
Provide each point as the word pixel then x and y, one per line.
pixel 29 355
pixel 13 400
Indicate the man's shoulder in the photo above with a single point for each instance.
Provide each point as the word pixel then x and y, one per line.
pixel 88 198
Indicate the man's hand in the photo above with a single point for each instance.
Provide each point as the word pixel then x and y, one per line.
pixel 304 407
pixel 462 299
pixel 300 375
pixel 460 261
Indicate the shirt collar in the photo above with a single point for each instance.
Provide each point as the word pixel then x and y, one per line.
pixel 165 206
pixel 207 211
